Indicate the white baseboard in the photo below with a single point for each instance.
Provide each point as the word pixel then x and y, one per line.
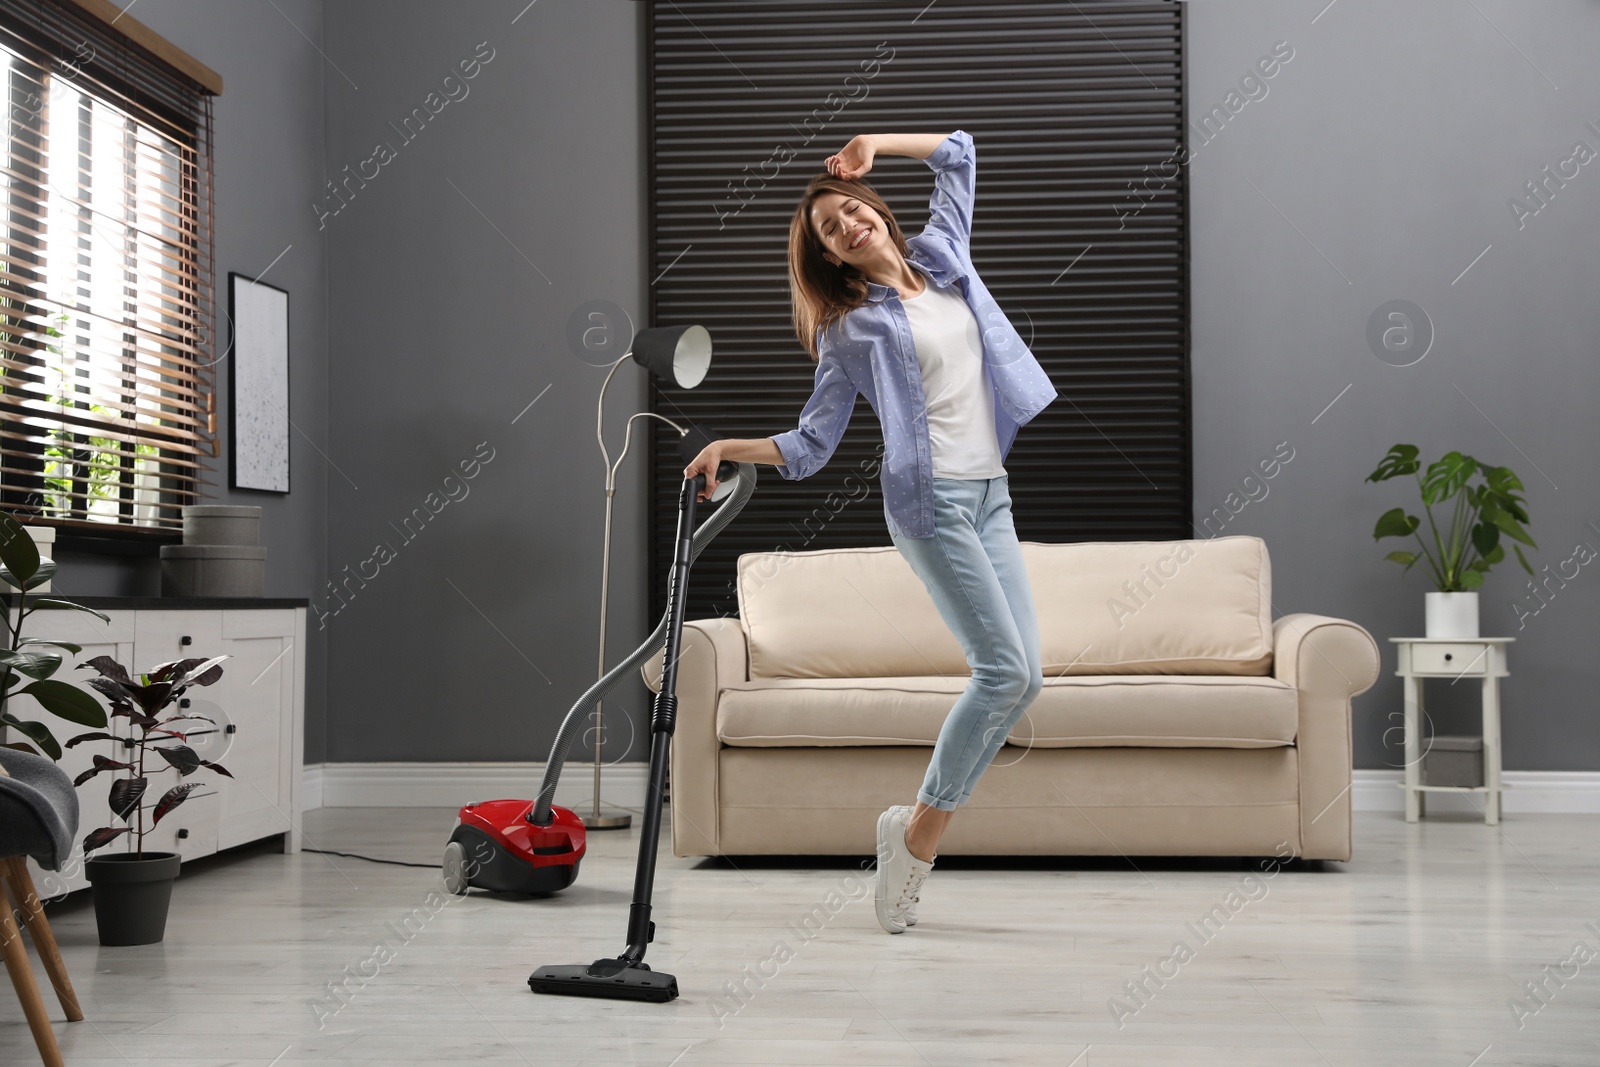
pixel 1549 792
pixel 450 785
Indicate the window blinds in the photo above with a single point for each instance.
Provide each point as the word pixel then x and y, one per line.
pixel 1079 232
pixel 107 329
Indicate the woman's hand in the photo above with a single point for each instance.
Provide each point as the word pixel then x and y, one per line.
pixel 854 160
pixel 707 462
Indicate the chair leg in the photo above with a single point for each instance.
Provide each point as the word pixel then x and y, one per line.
pixel 28 991
pixel 44 940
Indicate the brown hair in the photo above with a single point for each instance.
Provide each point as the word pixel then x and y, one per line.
pixel 821 293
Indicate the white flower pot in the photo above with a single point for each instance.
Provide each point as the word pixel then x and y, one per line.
pixel 1451 614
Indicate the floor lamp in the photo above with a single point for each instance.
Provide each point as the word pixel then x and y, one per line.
pixel 682 355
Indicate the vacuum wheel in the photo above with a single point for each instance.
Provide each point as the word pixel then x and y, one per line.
pixel 455 868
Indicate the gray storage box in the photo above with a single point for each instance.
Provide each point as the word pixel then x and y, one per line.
pixel 1456 761
pixel 213 570
pixel 221 524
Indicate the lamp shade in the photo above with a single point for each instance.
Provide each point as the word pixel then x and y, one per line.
pixel 680 354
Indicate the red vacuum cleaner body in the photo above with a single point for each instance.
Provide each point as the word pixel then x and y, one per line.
pixel 495 847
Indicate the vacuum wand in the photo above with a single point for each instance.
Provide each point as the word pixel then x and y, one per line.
pixel 743 478
pixel 663 721
pixel 627 976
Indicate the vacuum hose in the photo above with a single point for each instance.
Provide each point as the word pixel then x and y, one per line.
pixel 541 814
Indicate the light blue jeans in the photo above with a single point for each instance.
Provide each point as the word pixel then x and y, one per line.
pixel 972 568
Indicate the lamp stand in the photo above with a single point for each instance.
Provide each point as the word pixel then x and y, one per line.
pixel 597 819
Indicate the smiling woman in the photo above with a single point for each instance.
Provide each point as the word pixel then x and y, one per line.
pixel 909 323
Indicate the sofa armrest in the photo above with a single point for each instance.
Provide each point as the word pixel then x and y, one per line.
pixel 1328 661
pixel 713 654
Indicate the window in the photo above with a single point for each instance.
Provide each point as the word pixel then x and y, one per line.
pixel 107 355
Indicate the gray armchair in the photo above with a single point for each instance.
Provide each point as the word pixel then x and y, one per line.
pixel 38 818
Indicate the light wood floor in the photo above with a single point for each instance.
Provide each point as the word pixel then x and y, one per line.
pixel 1410 954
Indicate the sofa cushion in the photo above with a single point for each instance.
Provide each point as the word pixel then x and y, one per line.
pixel 1195 607
pixel 1162 711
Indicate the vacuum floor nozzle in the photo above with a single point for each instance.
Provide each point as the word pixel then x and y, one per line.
pixel 606 977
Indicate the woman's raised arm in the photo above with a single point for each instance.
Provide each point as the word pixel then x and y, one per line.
pixel 854 160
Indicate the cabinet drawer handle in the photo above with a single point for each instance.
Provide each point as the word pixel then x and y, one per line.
pixel 1448 657
pixel 183 833
pixel 185 640
pixel 230 728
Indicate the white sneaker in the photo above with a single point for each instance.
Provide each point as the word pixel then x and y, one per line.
pixel 900 874
pixel 909 914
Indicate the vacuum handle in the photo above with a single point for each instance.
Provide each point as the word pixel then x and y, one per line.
pixel 725 470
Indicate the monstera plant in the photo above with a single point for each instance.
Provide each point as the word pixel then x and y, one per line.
pixel 1478 516
pixel 132 889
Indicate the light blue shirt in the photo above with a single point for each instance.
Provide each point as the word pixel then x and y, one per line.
pixel 870 351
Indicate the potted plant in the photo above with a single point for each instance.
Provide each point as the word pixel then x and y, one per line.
pixel 24 570
pixel 1479 515
pixel 132 889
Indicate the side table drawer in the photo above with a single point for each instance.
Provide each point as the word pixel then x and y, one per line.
pixel 1466 658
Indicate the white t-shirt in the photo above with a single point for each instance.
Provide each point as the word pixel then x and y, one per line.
pixel 960 400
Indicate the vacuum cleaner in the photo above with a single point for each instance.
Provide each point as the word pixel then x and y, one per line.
pixel 535 847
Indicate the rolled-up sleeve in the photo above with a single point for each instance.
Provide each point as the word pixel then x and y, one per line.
pixel 808 448
pixel 955 168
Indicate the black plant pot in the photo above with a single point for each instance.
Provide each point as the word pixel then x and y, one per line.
pixel 131 895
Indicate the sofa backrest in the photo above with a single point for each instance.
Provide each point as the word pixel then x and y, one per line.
pixel 1104 607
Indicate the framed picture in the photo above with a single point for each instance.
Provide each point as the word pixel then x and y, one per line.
pixel 258 407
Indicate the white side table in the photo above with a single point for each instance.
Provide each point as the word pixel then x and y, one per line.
pixel 1453 657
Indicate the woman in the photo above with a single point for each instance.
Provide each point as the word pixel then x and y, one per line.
pixel 909 324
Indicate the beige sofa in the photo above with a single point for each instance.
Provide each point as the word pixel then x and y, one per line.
pixel 1178 717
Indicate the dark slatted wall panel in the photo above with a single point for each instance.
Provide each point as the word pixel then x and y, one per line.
pixel 1068 105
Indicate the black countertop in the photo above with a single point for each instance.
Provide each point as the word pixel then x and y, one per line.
pixel 169 602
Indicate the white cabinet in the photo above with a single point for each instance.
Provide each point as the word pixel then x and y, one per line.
pixel 259 705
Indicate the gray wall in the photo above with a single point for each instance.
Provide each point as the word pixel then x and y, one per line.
pixel 452 275
pixel 1392 142
pixel 1387 147
pixel 269 154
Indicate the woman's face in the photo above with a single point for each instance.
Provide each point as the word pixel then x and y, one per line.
pixel 850 231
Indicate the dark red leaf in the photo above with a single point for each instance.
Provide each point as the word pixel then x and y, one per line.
pixel 101 764
pixel 121 702
pixel 126 794
pixel 108 668
pixel 103 837
pixel 153 697
pixel 219 768
pixel 98 735
pixel 171 799
pixel 184 758
pixel 177 718
pixel 22 746
pixel 199 672
pixel 176 671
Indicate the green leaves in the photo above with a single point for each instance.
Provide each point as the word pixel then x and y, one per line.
pixel 67 702
pixel 37 732
pixel 1480 514
pixel 33 664
pixel 1402 459
pixel 17 551
pixel 1447 477
pixel 1394 523
pixel 44 570
pixel 66 605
